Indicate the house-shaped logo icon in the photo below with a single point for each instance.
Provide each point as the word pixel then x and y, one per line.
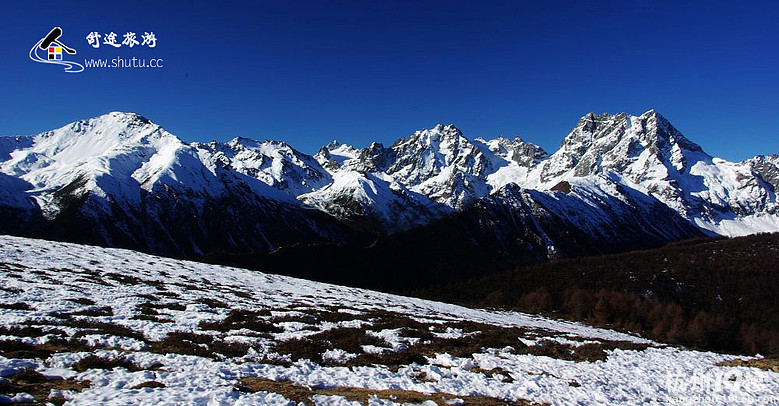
pixel 54 48
pixel 55 53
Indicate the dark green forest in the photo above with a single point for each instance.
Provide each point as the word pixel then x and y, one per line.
pixel 711 293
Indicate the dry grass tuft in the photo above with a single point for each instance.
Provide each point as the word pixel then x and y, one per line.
pixel 213 303
pixel 20 350
pixel 243 319
pixel 303 394
pixel 149 384
pixel 479 337
pixel 189 343
pixel 39 386
pixel 82 301
pixel 124 279
pixel 499 374
pixel 95 362
pixel 769 364
pixel 29 331
pixel 99 327
pixel 94 312
pixel 15 306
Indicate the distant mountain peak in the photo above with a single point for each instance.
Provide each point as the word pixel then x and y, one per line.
pixel 241 141
pixel 252 143
pixel 334 154
pixel 126 115
pixel 334 144
pixel 123 158
pixel 447 131
pixel 447 128
pixel 663 128
pixel 651 128
pixel 119 119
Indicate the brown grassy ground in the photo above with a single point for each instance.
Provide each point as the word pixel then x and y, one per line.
pixel 769 364
pixel 39 386
pixel 303 394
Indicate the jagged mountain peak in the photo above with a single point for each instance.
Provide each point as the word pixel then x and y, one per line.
pixel 767 167
pixel 123 157
pixel 338 148
pixel 265 145
pixel 243 141
pixel 524 153
pixel 433 136
pixel 274 163
pixel 127 116
pixel 334 144
pixel 334 154
pixel 612 141
pixel 591 122
pixel 447 129
pixel 442 145
pixel 122 118
pixel 103 144
pixel 649 154
pixel 116 122
pixel 105 134
pixel 374 157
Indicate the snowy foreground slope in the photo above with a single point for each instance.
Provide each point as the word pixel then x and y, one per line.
pixel 111 326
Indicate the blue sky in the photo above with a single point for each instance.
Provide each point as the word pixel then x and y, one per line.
pixel 358 71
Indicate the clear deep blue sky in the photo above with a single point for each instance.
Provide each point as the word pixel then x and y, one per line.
pixel 358 71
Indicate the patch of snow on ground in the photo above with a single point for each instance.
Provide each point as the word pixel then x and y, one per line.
pixel 57 277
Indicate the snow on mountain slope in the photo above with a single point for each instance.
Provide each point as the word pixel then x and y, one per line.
pixel 523 153
pixel 513 159
pixel 334 154
pixel 113 158
pixel 12 193
pixel 767 166
pixel 119 327
pixel 116 144
pixel 373 199
pixel 645 153
pixel 121 180
pixel 121 168
pixel 648 154
pixel 10 144
pixel 442 164
pixel 115 155
pixel 274 163
pixel 437 164
pixel 586 216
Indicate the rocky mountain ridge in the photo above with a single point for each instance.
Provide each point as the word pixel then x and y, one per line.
pixel 121 180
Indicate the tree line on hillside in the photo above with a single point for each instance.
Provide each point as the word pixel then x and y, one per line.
pixel 710 293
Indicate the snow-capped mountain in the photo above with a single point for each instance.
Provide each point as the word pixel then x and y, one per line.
pixel 442 164
pixel 373 201
pixel 334 154
pixel 767 166
pixel 272 162
pixel 121 180
pixel 431 172
pixel 648 154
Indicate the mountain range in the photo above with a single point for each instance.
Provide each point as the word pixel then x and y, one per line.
pixel 617 182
